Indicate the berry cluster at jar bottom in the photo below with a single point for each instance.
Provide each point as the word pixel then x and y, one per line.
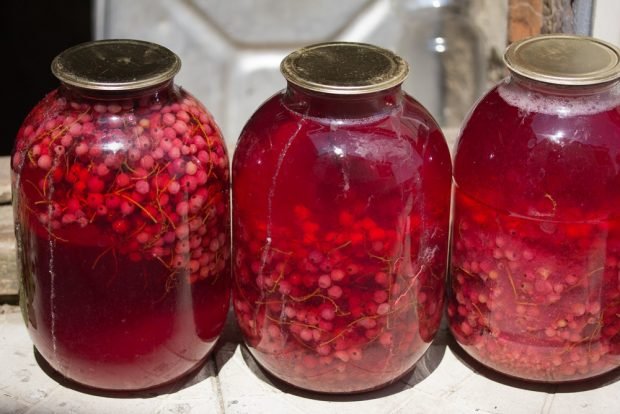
pixel 535 299
pixel 336 307
pixel 123 235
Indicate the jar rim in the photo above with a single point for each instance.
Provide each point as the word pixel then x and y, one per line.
pixel 116 65
pixel 344 68
pixel 562 59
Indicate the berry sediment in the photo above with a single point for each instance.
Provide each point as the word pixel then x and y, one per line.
pixel 122 211
pixel 338 259
pixel 527 301
pixel 535 287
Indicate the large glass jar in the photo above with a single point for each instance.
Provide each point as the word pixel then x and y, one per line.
pixel 341 195
pixel 439 37
pixel 535 289
pixel 121 204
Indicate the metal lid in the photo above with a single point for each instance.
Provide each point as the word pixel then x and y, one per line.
pixel 344 68
pixel 564 60
pixel 116 65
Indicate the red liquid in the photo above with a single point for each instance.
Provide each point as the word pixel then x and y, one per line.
pixel 536 236
pixel 122 229
pixel 340 239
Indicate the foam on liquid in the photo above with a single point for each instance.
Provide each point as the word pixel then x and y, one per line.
pixel 564 106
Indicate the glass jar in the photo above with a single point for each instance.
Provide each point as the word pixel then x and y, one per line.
pixel 535 291
pixel 446 49
pixel 120 194
pixel 341 195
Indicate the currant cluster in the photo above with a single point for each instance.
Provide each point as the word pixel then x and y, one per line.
pixel 335 311
pixel 535 299
pixel 150 174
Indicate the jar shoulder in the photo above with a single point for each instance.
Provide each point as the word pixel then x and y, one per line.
pixel 540 147
pixel 408 130
pixel 522 127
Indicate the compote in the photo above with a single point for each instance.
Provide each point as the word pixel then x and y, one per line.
pixel 121 209
pixel 340 209
pixel 535 288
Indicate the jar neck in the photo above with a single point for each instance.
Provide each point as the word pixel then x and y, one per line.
pixel 154 93
pixel 564 90
pixel 328 105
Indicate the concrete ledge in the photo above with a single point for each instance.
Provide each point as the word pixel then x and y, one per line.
pixel 445 381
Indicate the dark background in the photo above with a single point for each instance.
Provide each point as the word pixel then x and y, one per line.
pixel 33 33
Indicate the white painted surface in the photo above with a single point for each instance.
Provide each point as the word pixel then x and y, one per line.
pixel 231 50
pixel 445 381
pixel 607 22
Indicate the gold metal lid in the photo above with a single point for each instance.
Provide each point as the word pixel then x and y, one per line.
pixel 116 65
pixel 344 68
pixel 564 60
